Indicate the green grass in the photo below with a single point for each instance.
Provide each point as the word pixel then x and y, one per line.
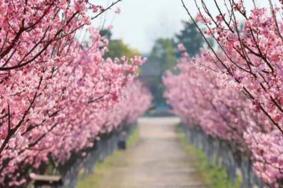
pixel 102 168
pixel 212 175
pixel 133 138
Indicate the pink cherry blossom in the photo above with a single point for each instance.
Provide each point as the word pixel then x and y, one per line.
pixel 58 95
pixel 234 90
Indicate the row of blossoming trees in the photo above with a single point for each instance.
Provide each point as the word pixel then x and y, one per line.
pixel 234 91
pixel 57 95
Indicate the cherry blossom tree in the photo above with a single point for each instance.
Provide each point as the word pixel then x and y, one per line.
pixel 58 95
pixel 234 91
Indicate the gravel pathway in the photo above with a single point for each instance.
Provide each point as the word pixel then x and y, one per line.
pixel 157 161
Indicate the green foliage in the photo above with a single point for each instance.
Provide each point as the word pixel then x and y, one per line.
pixel 163 53
pixel 214 176
pixel 190 37
pixel 161 58
pixel 117 48
pixel 106 33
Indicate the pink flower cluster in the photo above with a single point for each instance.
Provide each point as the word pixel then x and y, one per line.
pixel 234 92
pixel 57 95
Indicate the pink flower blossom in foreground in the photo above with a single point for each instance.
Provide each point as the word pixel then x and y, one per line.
pixel 58 96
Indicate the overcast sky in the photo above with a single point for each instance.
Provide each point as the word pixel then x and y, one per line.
pixel 142 21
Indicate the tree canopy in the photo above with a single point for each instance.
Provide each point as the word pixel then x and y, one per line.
pixel 190 37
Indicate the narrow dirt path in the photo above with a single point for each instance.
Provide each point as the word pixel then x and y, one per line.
pixel 157 161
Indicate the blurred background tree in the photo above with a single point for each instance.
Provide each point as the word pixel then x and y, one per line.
pixel 164 56
pixel 163 53
pixel 190 37
pixel 161 58
pixel 117 48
